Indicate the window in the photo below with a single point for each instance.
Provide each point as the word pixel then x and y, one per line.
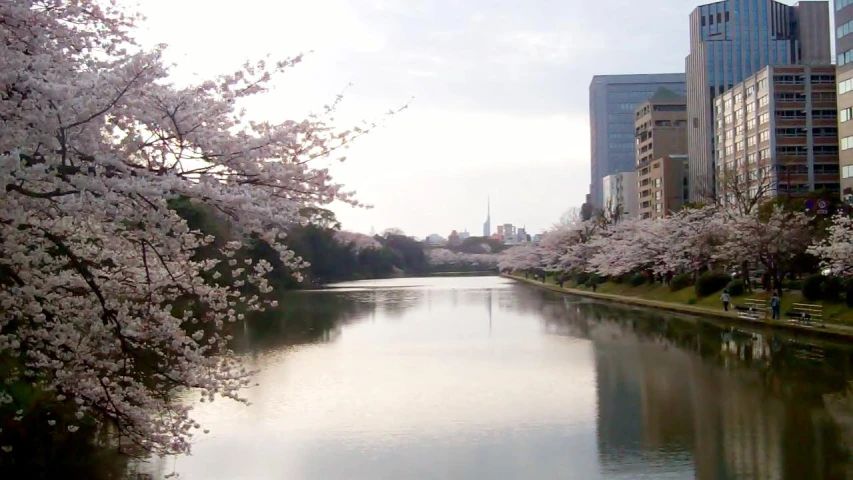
pixel 823 96
pixel 763 101
pixel 846 143
pixel 763 118
pixel 791 150
pixel 739 115
pixel 825 132
pixel 658 195
pixel 751 141
pixel 826 168
pixel 751 158
pixel 844 58
pixel 750 107
pixel 658 207
pixel 762 84
pixel 739 146
pixel 791 114
pixel 847 171
pixel 825 79
pixel 839 4
pixel 823 114
pixel 670 108
pixel 791 132
pixel 764 136
pixel 739 130
pixel 727 105
pixel 821 150
pixel 791 97
pixel 728 119
pixel 750 124
pixel 738 98
pixel 789 79
pixel 657 182
pixel 764 154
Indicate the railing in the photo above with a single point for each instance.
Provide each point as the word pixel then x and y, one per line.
pixel 806 314
pixel 752 309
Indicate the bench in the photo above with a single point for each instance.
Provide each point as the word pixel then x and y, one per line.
pixel 752 309
pixel 806 314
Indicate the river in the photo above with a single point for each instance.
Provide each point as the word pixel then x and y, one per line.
pixel 486 378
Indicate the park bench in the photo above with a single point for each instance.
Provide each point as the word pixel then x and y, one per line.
pixel 752 309
pixel 805 314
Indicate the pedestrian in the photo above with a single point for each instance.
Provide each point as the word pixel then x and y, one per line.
pixel 775 306
pixel 726 298
pixel 560 280
pixel 594 285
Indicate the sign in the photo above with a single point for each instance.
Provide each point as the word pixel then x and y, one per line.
pixel 809 204
pixel 822 207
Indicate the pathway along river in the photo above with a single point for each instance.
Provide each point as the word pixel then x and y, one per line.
pixel 486 378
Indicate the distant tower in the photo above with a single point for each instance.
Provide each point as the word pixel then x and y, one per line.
pixel 487 227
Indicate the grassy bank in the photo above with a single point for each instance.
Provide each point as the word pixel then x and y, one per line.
pixel 838 317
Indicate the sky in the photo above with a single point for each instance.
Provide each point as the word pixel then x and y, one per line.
pixel 497 92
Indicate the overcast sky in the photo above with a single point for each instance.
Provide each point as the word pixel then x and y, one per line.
pixel 499 88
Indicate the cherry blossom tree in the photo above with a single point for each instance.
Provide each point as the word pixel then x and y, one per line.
pixel 836 250
pixel 630 245
pixel 521 258
pixel 692 236
pixel 104 303
pixel 772 240
pixel 445 257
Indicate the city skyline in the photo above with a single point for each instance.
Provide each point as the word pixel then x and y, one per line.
pixel 507 114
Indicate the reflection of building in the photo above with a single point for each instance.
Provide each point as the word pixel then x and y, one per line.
pixel 620 193
pixel 612 101
pixel 731 40
pixel 777 134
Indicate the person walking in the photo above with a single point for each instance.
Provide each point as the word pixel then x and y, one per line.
pixel 775 306
pixel 726 298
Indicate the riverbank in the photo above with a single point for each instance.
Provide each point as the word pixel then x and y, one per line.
pixel 827 330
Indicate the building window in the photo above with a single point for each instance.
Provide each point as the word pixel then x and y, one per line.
pixel 658 195
pixel 763 118
pixel 751 141
pixel 821 150
pixel 823 114
pixel 764 154
pixel 739 130
pixel 845 86
pixel 790 132
pixel 750 124
pixel 738 98
pixel 791 96
pixel 845 114
pixel 825 132
pixel 764 136
pixel 764 100
pixel 847 171
pixel 762 84
pixel 839 4
pixel 739 146
pixel 846 143
pixel 789 79
pixel 792 150
pixel 823 96
pixel 844 58
pixel 751 158
pixel 825 79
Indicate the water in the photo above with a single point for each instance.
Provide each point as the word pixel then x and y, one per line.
pixel 485 378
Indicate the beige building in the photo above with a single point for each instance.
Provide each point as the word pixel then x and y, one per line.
pixel 844 65
pixel 776 134
pixel 661 131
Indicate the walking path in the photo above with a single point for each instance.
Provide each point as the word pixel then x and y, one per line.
pixel 827 329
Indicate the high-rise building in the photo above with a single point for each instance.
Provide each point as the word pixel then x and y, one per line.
pixel 661 128
pixel 487 226
pixel 778 135
pixel 731 40
pixel 612 101
pixel 844 66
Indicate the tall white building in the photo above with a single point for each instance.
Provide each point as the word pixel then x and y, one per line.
pixel 620 193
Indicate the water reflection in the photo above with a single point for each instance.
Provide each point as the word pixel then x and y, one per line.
pixel 485 378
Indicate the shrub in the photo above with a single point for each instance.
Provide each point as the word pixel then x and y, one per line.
pixel 849 293
pixel 832 289
pixel 618 279
pixel 582 278
pixel 812 287
pixel 680 282
pixel 691 301
pixel 710 282
pixel 794 285
pixel 735 287
pixel 637 280
pixel 594 279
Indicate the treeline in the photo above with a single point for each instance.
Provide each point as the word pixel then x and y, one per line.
pixel 329 254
